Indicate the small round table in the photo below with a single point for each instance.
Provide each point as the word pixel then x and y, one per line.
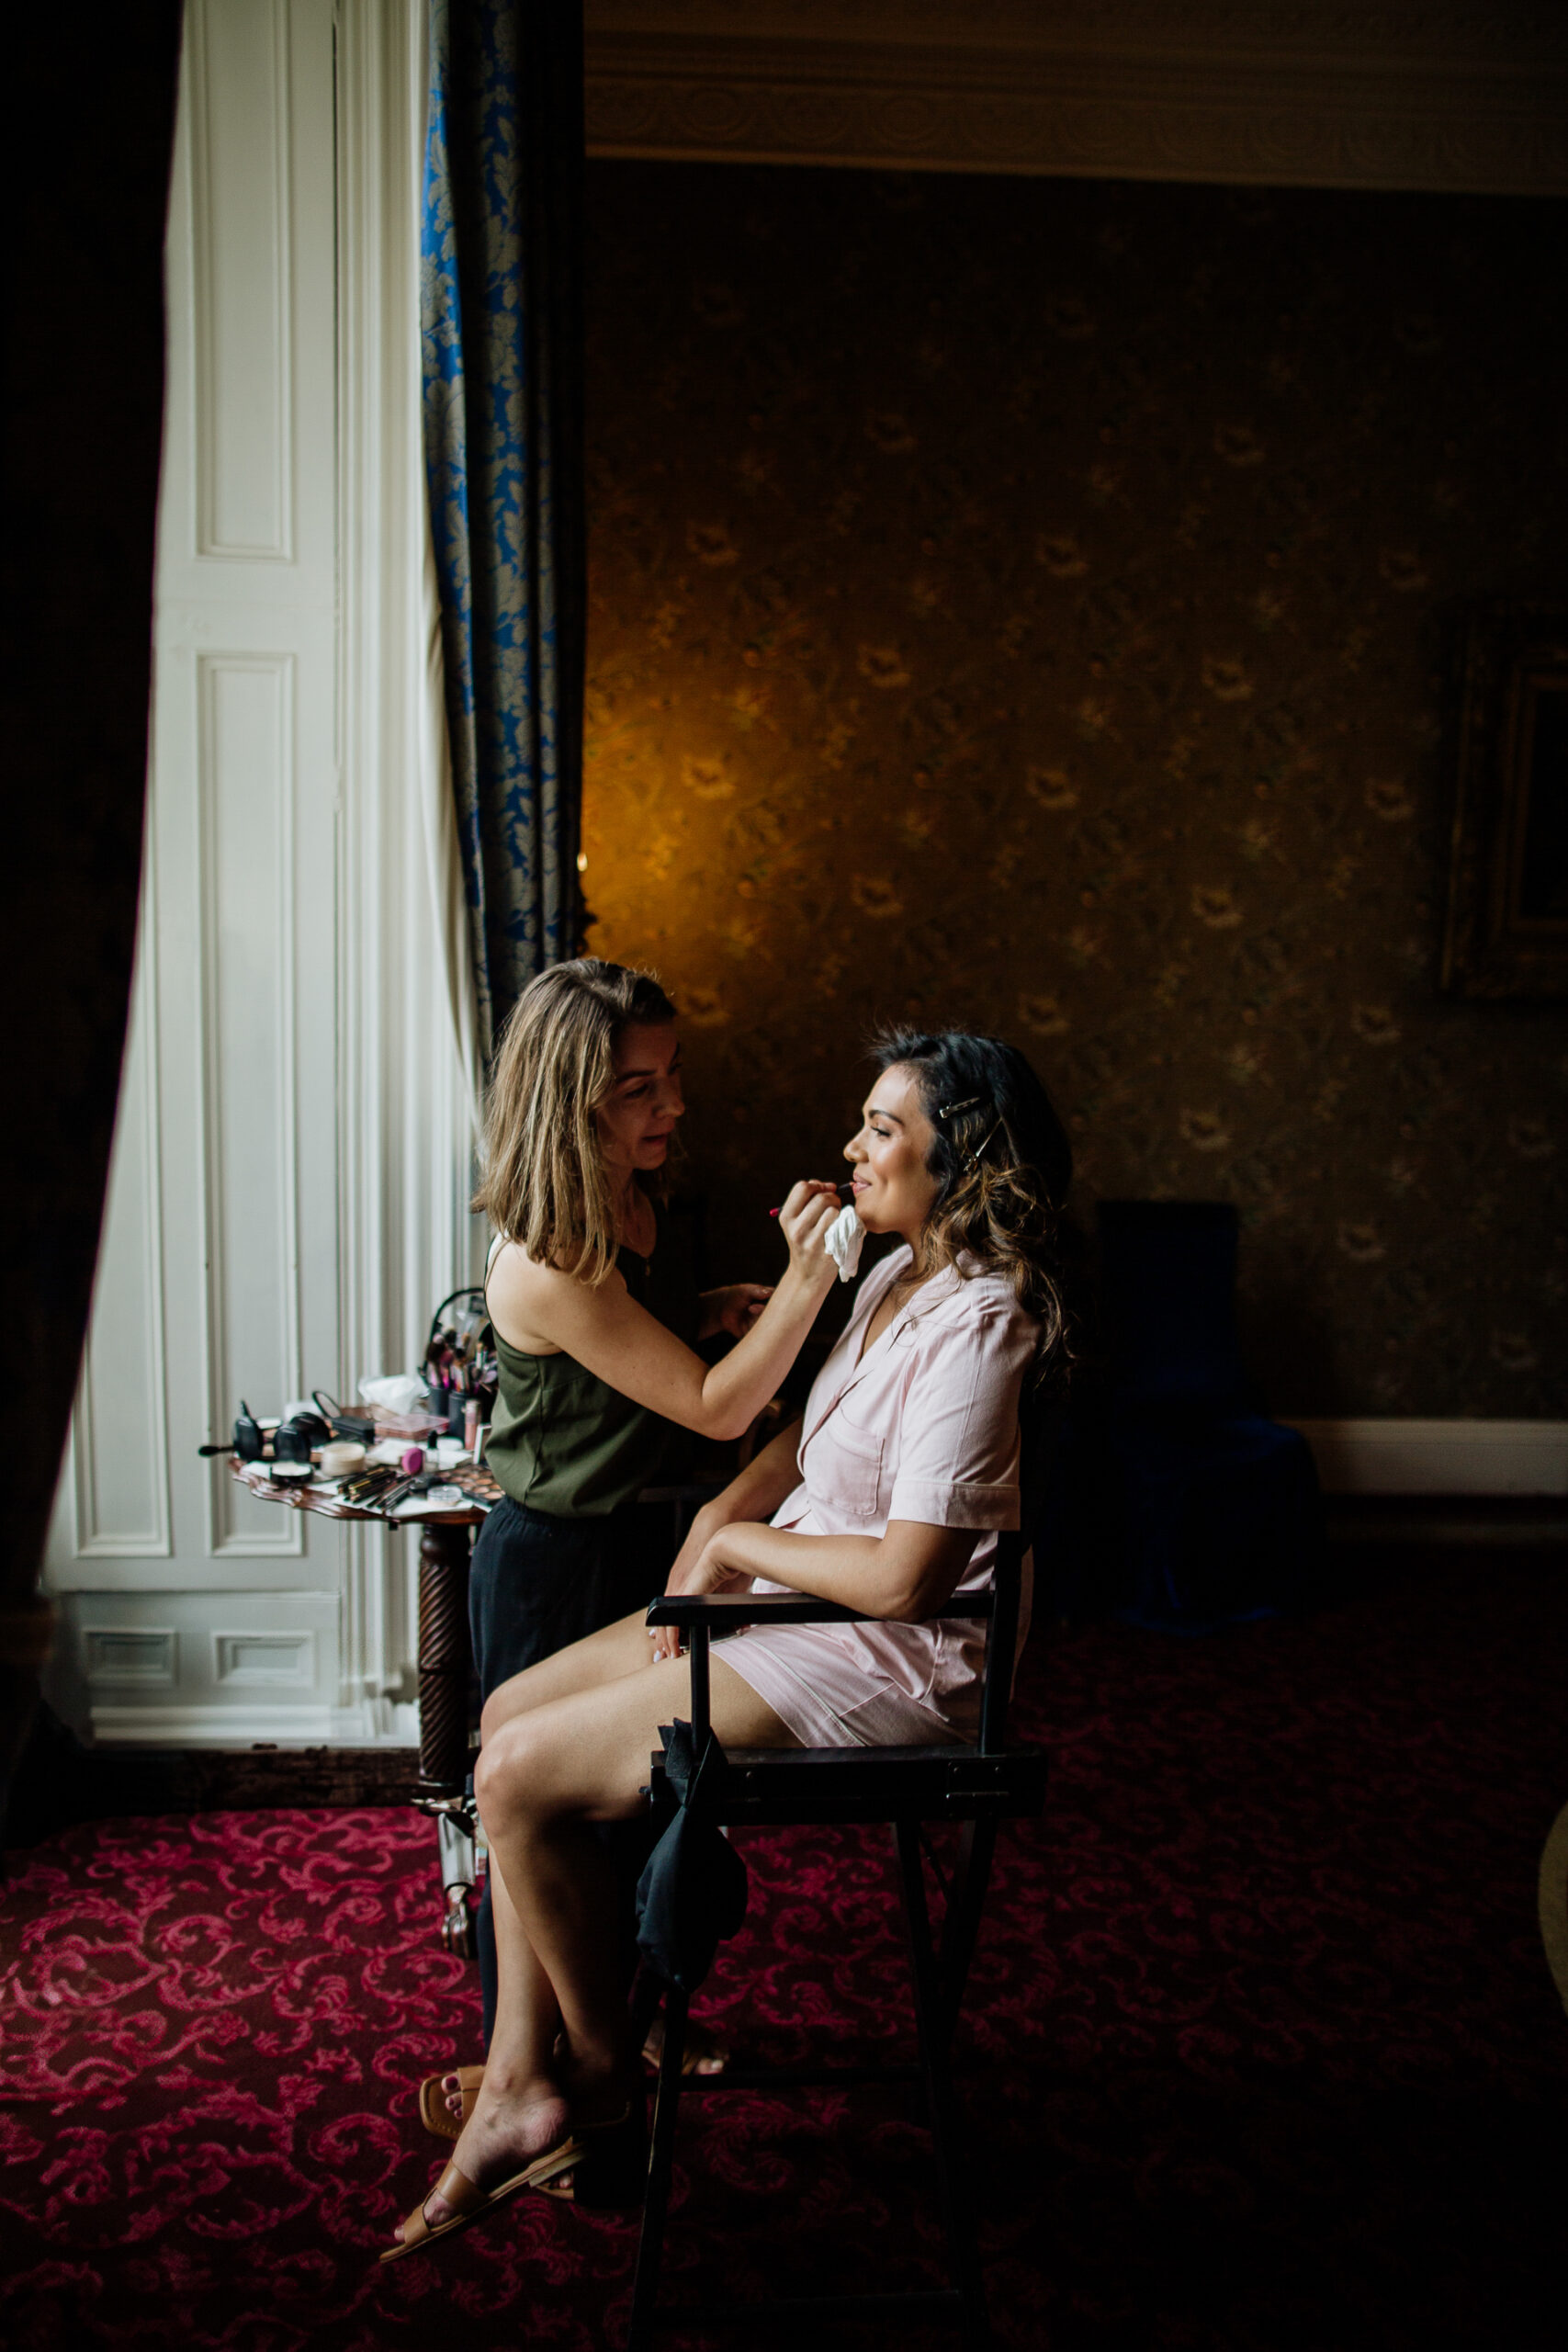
pixel 445 1669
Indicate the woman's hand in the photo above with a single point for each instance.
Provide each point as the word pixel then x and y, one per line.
pixel 698 1570
pixel 734 1308
pixel 804 1221
pixel 666 1639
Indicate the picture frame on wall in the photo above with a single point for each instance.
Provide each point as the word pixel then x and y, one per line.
pixel 1507 931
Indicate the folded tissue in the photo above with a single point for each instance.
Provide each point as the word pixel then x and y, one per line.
pixel 395 1392
pixel 844 1241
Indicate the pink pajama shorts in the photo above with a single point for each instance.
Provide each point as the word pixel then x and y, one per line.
pixel 823 1695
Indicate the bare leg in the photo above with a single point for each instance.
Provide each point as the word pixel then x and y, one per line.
pixel 521 2069
pixel 542 1775
pixel 607 1655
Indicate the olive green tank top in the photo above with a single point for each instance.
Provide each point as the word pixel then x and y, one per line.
pixel 564 1441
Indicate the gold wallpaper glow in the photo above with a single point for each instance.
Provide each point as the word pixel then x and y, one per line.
pixel 1030 604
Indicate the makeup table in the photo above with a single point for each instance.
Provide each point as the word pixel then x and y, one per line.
pixel 445 1658
pixel 445 1667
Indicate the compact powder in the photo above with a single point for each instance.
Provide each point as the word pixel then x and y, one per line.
pixel 338 1460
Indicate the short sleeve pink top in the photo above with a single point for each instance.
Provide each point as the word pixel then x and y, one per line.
pixel 924 1426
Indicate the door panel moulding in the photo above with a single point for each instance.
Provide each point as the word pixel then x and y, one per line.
pixel 244 813
pixel 117 1454
pixel 1468 97
pixel 253 1658
pixel 238 64
pixel 116 1655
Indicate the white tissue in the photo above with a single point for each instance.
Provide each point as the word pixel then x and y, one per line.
pixel 395 1392
pixel 844 1241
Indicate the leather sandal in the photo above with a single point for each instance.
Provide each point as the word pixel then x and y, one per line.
pixel 433 2112
pixel 612 2171
pixel 470 2203
pixel 704 2053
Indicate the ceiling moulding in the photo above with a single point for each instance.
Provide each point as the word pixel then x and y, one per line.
pixel 1471 95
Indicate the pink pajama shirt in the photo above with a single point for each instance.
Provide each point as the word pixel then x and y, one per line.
pixel 924 1427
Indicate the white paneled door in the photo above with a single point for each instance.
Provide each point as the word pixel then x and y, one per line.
pixel 233 1263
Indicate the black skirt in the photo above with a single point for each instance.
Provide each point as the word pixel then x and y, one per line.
pixel 539 1583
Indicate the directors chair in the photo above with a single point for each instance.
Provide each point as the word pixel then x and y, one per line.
pixel 908 1788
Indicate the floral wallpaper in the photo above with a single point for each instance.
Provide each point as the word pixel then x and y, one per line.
pixel 1032 604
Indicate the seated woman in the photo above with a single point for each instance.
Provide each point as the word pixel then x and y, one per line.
pixel 888 1496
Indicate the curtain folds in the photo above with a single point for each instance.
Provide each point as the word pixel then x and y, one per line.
pixel 83 399
pixel 501 294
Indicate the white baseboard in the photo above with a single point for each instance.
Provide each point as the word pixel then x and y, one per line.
pixel 1395 1457
pixel 387 1724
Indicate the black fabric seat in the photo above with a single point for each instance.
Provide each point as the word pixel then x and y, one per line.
pixel 980 1784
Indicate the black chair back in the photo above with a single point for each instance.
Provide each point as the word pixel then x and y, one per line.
pixel 1040 1427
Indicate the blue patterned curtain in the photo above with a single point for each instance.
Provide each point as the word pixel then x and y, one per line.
pixel 501 287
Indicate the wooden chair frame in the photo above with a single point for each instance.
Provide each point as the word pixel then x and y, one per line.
pixel 980 1785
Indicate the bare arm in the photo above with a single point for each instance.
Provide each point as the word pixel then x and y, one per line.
pixel 755 1494
pixel 545 1312
pixel 910 1573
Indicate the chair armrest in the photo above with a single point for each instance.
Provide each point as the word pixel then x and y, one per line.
pixel 721 1610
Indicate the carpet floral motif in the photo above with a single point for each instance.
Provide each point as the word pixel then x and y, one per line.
pixel 1262 2049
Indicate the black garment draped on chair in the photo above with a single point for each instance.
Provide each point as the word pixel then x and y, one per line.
pixel 89 144
pixel 501 295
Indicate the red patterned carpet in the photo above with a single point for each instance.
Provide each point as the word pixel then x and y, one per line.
pixel 1262 2050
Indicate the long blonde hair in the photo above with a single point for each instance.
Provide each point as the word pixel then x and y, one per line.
pixel 544 1181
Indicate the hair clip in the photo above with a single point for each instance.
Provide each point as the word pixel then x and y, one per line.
pixel 951 1110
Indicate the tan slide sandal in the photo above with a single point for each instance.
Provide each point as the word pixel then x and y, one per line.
pixel 433 2112
pixel 470 2204
pixel 613 2170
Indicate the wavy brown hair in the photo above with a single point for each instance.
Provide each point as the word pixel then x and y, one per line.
pixel 544 1181
pixel 1003 1165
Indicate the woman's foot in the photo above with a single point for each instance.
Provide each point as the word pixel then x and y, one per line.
pixel 453 2094
pixel 705 2052
pixel 504 2134
pixel 513 2123
pixel 453 2085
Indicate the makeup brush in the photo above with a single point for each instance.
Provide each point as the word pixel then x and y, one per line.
pixel 846 1188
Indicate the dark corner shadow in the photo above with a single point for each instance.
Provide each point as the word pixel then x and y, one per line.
pixel 1286 2212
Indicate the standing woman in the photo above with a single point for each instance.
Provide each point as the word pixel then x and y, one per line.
pixel 595 1311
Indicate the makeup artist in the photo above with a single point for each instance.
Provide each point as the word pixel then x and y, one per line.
pixel 595 1316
